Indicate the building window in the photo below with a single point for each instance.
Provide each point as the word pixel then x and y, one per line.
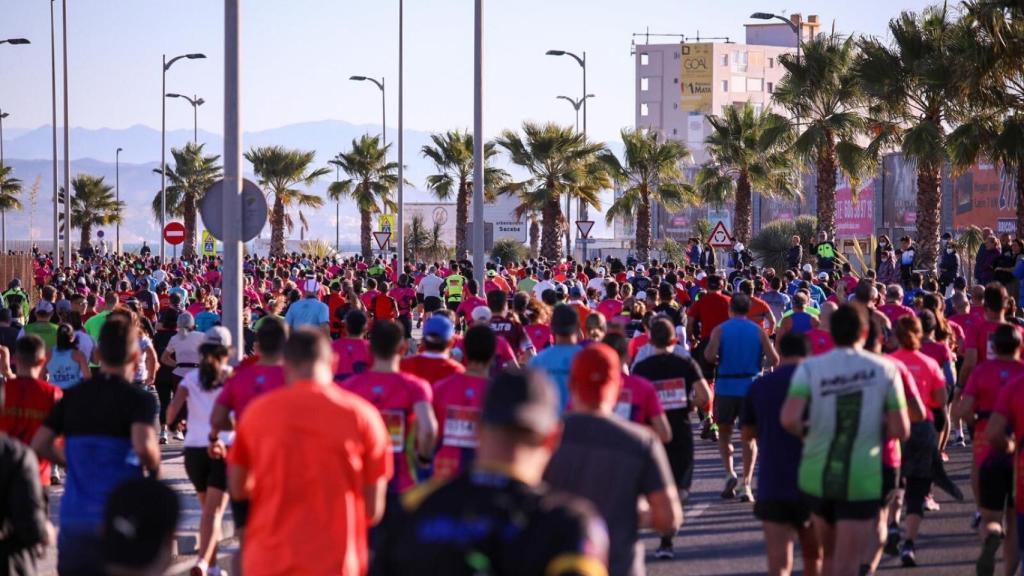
pixel 771 88
pixel 739 61
pixel 755 85
pixel 645 58
pixel 725 59
pixel 771 62
pixel 644 111
pixel 645 84
pixel 725 85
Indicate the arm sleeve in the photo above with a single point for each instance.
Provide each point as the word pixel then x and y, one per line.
pixel 25 502
pixel 1004 402
pixel 324 316
pixel 800 386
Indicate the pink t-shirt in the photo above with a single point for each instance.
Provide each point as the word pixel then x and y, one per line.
pixel 984 385
pixel 927 376
pixel 895 311
pixel 352 356
pixel 1011 405
pixel 979 337
pixel 638 400
pixel 405 297
pixel 367 298
pixel 610 308
pixel 458 400
pixel 821 341
pixel 470 303
pixel 892 456
pixel 395 395
pixel 539 334
pixel 938 351
pixel 246 384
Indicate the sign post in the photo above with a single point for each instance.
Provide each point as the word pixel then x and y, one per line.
pixel 584 227
pixel 174 233
pixel 382 240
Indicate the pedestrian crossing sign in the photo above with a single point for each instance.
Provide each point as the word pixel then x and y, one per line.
pixel 209 244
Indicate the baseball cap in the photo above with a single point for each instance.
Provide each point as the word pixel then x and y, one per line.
pixel 186 320
pixel 523 399
pixel 560 289
pixel 64 306
pixel 44 307
pixel 140 518
pixel 218 336
pixel 576 292
pixel 641 295
pixel 492 273
pixel 808 268
pixel 438 329
pixel 596 374
pixel 564 321
pixel 822 275
pixel 481 314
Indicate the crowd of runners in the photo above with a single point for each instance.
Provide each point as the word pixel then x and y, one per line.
pixel 535 424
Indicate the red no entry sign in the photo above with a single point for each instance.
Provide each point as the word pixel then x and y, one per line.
pixel 174 233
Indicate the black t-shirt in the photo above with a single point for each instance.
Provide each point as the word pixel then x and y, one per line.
pixel 611 462
pixel 101 406
pixel 488 523
pixel 671 311
pixel 22 507
pixel 664 371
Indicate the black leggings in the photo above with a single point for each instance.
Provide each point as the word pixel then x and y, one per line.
pixel 680 449
pixel 916 492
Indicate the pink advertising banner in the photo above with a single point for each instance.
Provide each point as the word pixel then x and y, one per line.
pixel 855 218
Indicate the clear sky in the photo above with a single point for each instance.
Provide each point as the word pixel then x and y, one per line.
pixel 298 55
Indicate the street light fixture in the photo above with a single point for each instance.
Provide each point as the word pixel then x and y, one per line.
pixel 792 26
pixel 196 103
pixel 576 104
pixel 15 41
pixel 383 108
pixel 582 210
pixel 163 144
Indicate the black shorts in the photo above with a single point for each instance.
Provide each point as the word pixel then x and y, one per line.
pixel 794 513
pixel 939 414
pixel 205 472
pixel 419 298
pixel 706 368
pixel 890 483
pixel 996 486
pixel 833 511
pixel 727 409
pixel 432 304
pixel 453 305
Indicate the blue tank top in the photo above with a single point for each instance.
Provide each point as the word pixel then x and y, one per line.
pixel 800 323
pixel 739 357
pixel 63 371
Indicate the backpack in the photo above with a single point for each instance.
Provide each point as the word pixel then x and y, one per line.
pixel 384 307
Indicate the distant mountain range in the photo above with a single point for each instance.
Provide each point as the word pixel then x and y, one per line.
pixel 29 153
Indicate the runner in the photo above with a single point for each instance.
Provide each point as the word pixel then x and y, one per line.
pixel 638 399
pixel 556 360
pixel 434 363
pixel 352 353
pixel 29 399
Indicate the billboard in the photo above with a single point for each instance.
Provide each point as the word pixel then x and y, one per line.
pixel 696 77
pixel 984 196
pixel 855 217
pixel 431 213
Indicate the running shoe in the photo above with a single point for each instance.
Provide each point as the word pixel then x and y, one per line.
pixel 976 521
pixel 746 495
pixel 730 488
pixel 664 551
pixel 958 441
pixel 931 505
pixel 179 436
pixel 163 437
pixel 907 555
pixel 986 564
pixel 705 431
pixel 714 433
pixel 892 542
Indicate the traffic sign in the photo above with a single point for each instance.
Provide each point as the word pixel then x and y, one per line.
pixel 99 233
pixel 381 238
pixel 209 244
pixel 386 222
pixel 720 237
pixel 174 233
pixel 254 210
pixel 584 226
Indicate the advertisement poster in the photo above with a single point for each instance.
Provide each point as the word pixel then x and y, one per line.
pixel 855 218
pixel 984 196
pixel 696 78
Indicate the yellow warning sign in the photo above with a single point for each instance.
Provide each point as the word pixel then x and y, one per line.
pixel 209 244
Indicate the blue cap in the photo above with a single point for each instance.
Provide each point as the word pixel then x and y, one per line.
pixel 438 329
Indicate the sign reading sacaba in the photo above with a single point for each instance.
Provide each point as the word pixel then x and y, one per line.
pixel 696 77
pixel 510 230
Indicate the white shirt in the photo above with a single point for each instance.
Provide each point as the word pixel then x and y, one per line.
pixel 200 406
pixel 186 351
pixel 597 284
pixel 430 285
pixel 541 286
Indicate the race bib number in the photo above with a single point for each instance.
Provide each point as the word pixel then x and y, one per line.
pixel 624 407
pixel 394 420
pixel 460 427
pixel 672 393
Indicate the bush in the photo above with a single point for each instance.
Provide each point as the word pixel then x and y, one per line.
pixel 772 242
pixel 508 250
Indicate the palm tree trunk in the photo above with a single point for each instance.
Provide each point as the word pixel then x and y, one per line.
pixel 552 227
pixel 364 235
pixel 826 191
pixel 929 213
pixel 461 219
pixel 86 235
pixel 744 206
pixel 189 249
pixel 1020 200
pixel 643 228
pixel 534 237
pixel 277 229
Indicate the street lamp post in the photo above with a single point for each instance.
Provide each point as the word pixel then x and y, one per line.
pixel 400 233
pixel 3 213
pixel 67 141
pixel 163 144
pixel 576 105
pixel 53 127
pixel 383 105
pixel 117 192
pixel 794 27
pixel 582 210
pixel 196 102
pixel 478 143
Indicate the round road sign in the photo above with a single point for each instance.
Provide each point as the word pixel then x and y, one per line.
pixel 174 233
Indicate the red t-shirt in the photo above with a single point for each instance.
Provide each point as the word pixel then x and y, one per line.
pixel 352 356
pixel 927 376
pixel 512 331
pixel 638 400
pixel 984 385
pixel 711 310
pixel 1010 404
pixel 895 311
pixel 938 351
pixel 539 334
pixel 821 341
pixel 610 308
pixel 470 303
pixel 636 343
pixel 247 383
pixel 979 337
pixel 28 402
pixel 395 395
pixel 458 400
pixel 432 367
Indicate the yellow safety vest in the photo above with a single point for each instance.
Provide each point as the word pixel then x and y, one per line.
pixel 454 284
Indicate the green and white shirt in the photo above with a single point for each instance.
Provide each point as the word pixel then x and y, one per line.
pixel 849 393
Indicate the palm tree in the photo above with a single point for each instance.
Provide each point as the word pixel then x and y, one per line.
pixel 823 94
pixel 93 203
pixel 416 237
pixel 748 149
pixel 10 190
pixel 650 172
pixel 371 182
pixel 191 177
pixel 280 171
pixel 560 162
pixel 913 93
pixel 452 154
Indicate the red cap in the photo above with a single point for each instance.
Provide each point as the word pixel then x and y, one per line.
pixel 596 374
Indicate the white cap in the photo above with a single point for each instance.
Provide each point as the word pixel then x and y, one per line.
pixel 808 268
pixel 639 267
pixel 481 314
pixel 700 275
pixel 601 271
pixel 738 247
pixel 218 335
pixel 641 295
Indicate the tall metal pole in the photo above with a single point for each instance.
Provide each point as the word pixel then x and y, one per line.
pixel 232 203
pixel 400 235
pixel 3 213
pixel 67 142
pixel 117 188
pixel 53 126
pixel 195 119
pixel 383 116
pixel 337 213
pixel 163 156
pixel 478 144
pixel 583 205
